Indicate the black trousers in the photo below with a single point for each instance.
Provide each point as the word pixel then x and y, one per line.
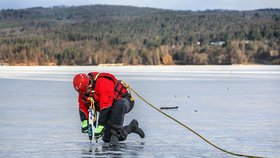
pixel 116 119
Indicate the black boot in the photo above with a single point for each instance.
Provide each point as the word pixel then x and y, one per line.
pixel 135 129
pixel 114 141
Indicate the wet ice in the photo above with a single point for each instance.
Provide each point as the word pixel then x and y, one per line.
pixel 235 107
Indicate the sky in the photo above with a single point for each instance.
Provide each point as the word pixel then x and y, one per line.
pixel 164 4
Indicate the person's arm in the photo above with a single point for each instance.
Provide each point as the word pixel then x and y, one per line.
pixel 83 111
pixel 105 88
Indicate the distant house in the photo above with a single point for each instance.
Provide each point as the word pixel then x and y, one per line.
pixel 218 43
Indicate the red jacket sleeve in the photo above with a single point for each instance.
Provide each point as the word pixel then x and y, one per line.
pixel 105 89
pixel 83 108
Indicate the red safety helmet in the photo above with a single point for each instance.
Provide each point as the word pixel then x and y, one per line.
pixel 81 82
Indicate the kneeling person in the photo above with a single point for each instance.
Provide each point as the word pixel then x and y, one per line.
pixel 112 100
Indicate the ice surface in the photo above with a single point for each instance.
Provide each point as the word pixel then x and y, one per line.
pixel 235 107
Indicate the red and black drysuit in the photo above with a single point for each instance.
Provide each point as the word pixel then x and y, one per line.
pixel 112 101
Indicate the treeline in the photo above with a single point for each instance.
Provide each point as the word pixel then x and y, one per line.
pixel 98 34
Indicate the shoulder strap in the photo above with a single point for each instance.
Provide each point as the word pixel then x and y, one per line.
pixel 93 78
pixel 96 76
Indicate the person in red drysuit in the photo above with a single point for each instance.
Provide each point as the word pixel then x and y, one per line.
pixel 112 100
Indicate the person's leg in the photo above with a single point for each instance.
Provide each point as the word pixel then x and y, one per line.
pixel 133 128
pixel 117 114
pixel 121 134
pixel 107 134
pixel 120 108
pixel 116 121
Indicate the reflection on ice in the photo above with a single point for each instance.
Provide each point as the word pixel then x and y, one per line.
pixel 128 149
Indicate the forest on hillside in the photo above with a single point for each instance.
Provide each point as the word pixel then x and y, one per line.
pixel 100 34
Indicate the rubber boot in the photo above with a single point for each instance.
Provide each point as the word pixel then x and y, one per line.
pixel 135 129
pixel 114 141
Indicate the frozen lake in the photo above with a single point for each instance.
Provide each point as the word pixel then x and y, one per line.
pixel 235 107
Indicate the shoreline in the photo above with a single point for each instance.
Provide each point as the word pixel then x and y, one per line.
pixel 121 65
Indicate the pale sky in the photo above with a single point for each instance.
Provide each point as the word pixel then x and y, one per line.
pixel 164 4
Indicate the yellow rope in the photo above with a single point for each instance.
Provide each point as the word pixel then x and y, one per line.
pixel 223 150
